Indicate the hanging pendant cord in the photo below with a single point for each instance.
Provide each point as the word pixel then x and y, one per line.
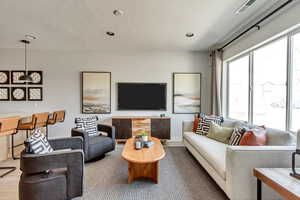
pixel 25 57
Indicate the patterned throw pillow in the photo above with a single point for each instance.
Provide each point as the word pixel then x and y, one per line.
pixel 37 143
pixel 237 136
pixel 204 124
pixel 88 125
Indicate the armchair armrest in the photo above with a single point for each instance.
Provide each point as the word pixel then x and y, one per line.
pixel 84 135
pixel 110 130
pixel 67 143
pixel 36 163
pixel 72 160
pixel 240 161
pixel 187 126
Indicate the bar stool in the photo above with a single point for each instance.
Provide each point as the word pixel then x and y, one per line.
pixel 56 117
pixel 8 126
pixel 38 120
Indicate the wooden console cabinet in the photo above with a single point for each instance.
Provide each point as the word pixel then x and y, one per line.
pixel 127 127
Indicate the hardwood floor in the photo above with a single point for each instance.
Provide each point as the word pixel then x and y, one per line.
pixel 9 183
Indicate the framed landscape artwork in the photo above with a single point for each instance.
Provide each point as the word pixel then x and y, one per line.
pixel 96 92
pixel 186 93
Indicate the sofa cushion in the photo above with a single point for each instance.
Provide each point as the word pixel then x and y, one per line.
pixel 205 121
pixel 212 151
pixel 277 137
pixel 219 133
pixel 254 137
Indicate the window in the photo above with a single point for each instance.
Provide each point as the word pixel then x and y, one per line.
pixel 295 92
pixel 269 84
pixel 238 88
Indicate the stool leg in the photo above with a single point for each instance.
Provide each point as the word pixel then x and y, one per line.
pixel 13 148
pixel 26 133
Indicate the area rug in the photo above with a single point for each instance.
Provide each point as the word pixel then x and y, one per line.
pixel 181 178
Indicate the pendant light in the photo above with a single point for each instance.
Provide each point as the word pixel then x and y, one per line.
pixel 26 77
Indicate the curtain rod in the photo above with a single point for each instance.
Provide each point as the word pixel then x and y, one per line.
pixel 256 25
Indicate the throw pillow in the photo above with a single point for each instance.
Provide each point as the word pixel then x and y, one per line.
pixel 37 143
pixel 195 124
pixel 88 125
pixel 219 133
pixel 237 136
pixel 254 137
pixel 204 124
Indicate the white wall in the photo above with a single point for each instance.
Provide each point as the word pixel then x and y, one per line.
pixel 62 80
pixel 288 19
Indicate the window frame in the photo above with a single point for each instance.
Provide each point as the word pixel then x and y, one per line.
pixel 289 81
pixel 227 82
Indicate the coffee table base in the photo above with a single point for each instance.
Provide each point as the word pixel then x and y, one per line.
pixel 143 170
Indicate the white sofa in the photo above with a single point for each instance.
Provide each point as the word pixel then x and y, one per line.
pixel 232 166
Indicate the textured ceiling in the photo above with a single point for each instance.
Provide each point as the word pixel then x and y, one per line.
pixel 145 25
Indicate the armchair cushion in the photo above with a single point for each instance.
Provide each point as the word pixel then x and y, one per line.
pixel 88 125
pixel 99 145
pixel 37 143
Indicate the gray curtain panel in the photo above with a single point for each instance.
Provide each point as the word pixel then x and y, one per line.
pixel 217 64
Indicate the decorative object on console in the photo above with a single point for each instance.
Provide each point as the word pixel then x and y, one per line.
pixel 297 152
pixel 15 77
pixel 256 136
pixel 35 93
pixel 4 77
pixel 196 122
pixel 205 122
pixel 186 93
pixel 96 92
pixel 18 93
pixel 4 94
pixel 36 76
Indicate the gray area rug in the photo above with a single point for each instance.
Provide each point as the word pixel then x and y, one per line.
pixel 181 178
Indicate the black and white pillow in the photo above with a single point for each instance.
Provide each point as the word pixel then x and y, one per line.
pixel 204 124
pixel 88 125
pixel 37 143
pixel 237 136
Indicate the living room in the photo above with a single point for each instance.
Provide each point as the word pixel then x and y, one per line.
pixel 158 70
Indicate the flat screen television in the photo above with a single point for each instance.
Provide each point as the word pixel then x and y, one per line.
pixel 142 96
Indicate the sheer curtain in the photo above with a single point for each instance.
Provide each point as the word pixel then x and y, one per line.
pixel 217 64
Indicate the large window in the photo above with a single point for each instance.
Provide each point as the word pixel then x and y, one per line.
pixel 263 85
pixel 238 88
pixel 295 111
pixel 269 84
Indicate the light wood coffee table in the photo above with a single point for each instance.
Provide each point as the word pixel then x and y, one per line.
pixel 143 163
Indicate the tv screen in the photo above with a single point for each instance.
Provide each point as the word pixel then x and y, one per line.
pixel 142 96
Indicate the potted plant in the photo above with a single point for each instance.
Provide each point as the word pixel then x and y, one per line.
pixel 144 135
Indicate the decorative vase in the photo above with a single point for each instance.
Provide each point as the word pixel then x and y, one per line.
pixel 145 138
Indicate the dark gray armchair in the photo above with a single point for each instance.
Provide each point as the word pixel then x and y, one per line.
pixel 95 147
pixel 57 175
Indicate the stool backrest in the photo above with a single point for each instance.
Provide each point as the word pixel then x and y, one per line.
pixel 40 119
pixel 59 116
pixel 9 125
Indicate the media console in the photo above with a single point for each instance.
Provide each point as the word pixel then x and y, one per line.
pixel 127 127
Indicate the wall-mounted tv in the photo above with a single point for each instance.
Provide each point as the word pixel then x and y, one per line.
pixel 142 96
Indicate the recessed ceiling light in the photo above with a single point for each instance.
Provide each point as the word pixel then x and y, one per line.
pixel 189 34
pixel 109 33
pixel 118 12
